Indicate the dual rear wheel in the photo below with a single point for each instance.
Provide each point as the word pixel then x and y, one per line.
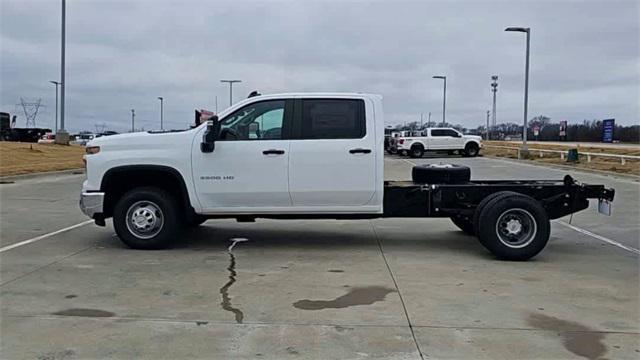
pixel 510 225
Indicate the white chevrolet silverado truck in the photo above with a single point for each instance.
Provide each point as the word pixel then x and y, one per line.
pixel 303 156
pixel 441 140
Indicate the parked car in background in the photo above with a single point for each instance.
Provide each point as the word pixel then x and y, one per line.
pixel 439 139
pixel 48 138
pixel 82 138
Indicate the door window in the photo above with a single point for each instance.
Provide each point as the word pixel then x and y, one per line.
pixel 333 119
pixel 257 121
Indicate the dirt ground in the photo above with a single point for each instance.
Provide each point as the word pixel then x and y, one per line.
pixel 631 167
pixel 23 158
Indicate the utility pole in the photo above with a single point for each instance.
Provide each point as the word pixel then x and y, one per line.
pixel 216 104
pixel 133 120
pixel 494 89
pixel 62 136
pixel 429 121
pixel 230 82
pixel 161 111
pixel 421 121
pixel 488 124
pixel 444 98
pixel 56 83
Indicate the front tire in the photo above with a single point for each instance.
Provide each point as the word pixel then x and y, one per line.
pixel 471 150
pixel 514 227
pixel 147 218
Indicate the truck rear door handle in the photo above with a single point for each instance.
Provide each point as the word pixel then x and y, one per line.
pixel 273 152
pixel 359 151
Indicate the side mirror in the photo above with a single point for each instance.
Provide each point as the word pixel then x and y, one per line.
pixel 210 135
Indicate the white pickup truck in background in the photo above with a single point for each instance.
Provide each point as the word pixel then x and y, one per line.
pixel 302 156
pixel 439 139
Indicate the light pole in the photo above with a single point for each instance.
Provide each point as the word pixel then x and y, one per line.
pixel 230 89
pixel 133 119
pixel 526 84
pixel 56 83
pixel 488 124
pixel 62 136
pixel 161 111
pixel 494 89
pixel 444 98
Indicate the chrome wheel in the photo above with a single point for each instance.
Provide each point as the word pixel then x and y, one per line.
pixel 516 228
pixel 144 219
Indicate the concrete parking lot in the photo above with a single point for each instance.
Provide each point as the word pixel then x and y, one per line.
pixel 387 288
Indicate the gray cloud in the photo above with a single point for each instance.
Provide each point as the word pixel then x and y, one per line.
pixel 122 55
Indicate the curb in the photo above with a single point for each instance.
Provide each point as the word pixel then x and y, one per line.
pixel 568 167
pixel 77 171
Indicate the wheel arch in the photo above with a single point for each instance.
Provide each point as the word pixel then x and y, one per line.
pixel 118 180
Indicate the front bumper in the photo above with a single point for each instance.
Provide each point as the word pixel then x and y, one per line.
pixel 91 203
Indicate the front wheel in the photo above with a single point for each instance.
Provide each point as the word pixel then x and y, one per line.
pixel 146 218
pixel 471 150
pixel 514 227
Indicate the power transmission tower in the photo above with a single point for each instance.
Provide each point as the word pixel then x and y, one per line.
pixel 100 128
pixel 30 109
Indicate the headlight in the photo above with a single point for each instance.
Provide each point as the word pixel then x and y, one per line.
pixel 92 150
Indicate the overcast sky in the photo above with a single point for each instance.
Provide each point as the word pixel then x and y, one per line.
pixel 585 61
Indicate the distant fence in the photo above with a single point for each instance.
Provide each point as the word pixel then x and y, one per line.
pixel 563 153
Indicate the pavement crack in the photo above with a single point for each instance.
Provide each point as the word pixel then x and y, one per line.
pixel 395 283
pixel 224 290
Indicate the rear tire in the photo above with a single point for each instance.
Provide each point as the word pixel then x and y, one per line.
pixel 476 215
pixel 514 227
pixel 147 218
pixel 416 151
pixel 464 224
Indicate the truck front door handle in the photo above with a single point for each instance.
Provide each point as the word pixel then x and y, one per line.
pixel 359 151
pixel 273 152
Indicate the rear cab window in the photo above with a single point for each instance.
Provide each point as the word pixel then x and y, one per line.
pixel 330 119
pixel 443 132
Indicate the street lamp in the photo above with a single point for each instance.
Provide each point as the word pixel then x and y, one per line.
pixel 494 89
pixel 62 136
pixel 444 98
pixel 230 89
pixel 526 84
pixel 161 111
pixel 133 120
pixel 56 83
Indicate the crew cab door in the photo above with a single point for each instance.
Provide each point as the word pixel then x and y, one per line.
pixel 332 164
pixel 248 170
pixel 445 139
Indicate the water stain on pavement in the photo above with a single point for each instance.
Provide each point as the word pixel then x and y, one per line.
pixel 355 296
pixel 577 338
pixel 84 313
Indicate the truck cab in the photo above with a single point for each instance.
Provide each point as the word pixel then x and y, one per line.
pixel 316 153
